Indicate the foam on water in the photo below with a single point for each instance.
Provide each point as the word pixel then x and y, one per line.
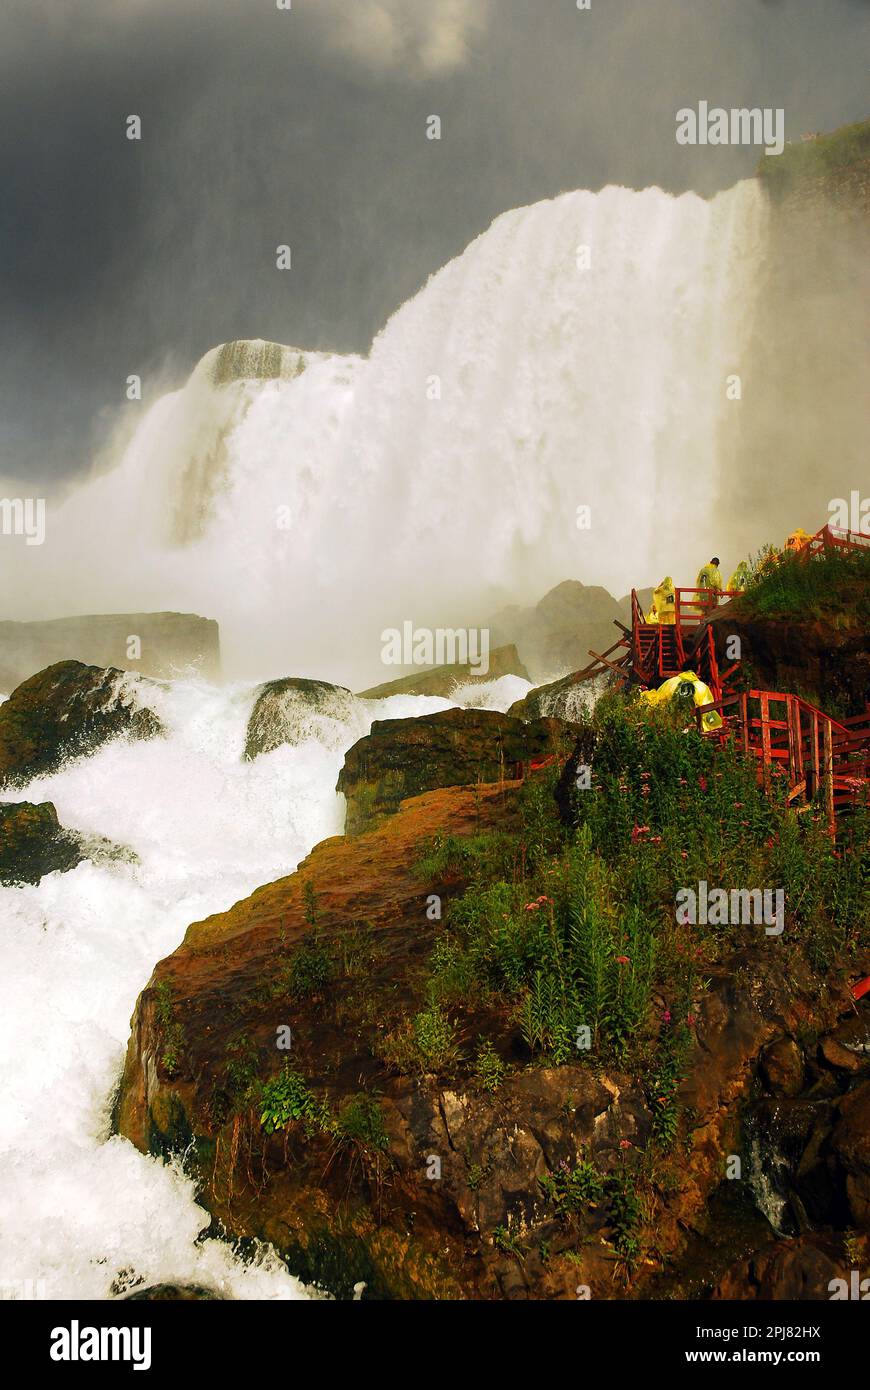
pixel 84 1214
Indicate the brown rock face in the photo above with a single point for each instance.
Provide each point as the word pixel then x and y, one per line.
pixel 851 1146
pixel 67 710
pixel 800 1269
pixel 782 1067
pixel 404 757
pixel 827 662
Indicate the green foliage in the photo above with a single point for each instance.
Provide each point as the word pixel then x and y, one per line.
pixel 424 1044
pixel 309 904
pixel 361 1122
pixel 832 582
pixel 626 1214
pixel 306 972
pixel 489 1069
pixel 171 1030
pixel 826 157
pixel 286 1097
pixel 574 1189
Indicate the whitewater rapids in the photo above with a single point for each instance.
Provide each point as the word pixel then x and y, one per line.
pixel 84 1214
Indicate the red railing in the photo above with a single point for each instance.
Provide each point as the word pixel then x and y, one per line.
pixel 834 538
pixel 822 757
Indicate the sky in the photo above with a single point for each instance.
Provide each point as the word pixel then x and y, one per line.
pixel 307 127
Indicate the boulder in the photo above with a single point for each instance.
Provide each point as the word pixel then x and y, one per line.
pixel 65 711
pixel 33 843
pixel 851 1147
pixel 453 748
pixel 443 680
pixel 782 1067
pixel 292 710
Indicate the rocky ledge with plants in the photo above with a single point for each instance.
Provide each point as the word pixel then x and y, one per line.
pixel 472 1052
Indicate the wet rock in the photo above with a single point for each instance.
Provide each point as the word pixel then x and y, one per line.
pixel 403 757
pixel 782 1067
pixel 33 843
pixel 292 710
pixel 839 1057
pixel 797 1269
pixel 66 711
pixel 851 1147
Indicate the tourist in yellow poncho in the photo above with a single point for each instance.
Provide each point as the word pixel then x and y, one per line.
pixel 686 686
pixel 709 579
pixel 664 603
pixel 740 578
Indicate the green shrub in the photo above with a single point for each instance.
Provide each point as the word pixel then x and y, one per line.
pixel 286 1097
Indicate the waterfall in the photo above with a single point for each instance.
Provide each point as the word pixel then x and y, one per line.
pixel 575 355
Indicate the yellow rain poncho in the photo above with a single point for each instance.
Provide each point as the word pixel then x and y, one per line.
pixel 664 604
pixel 700 695
pixel 740 578
pixel 797 540
pixel 709 577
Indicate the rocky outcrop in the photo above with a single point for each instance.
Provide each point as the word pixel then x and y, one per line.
pixel 454 748
pixel 555 636
pixel 443 680
pixel 65 711
pixel 802 1268
pixel 442 1196
pixel 33 843
pixel 292 710
pixel 828 662
pixel 171 644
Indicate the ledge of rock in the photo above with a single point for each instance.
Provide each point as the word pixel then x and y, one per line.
pixel 453 748
pixel 65 711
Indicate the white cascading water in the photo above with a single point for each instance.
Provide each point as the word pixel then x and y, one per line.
pixel 432 481
pixel 83 1214
pixel 441 476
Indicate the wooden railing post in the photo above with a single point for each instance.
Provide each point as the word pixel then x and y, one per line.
pixel 828 778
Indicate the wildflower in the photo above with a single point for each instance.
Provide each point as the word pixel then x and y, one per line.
pixel 666 1016
pixel 638 831
pixel 625 1144
pixel 690 1019
pixel 702 783
pixel 532 907
pixel 623 960
pixel 684 854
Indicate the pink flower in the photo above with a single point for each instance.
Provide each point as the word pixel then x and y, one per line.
pixel 702 783
pixel 638 831
pixel 623 960
pixel 532 907
pixel 625 1144
pixel 666 1016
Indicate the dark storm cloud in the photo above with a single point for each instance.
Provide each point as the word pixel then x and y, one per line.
pixel 307 126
